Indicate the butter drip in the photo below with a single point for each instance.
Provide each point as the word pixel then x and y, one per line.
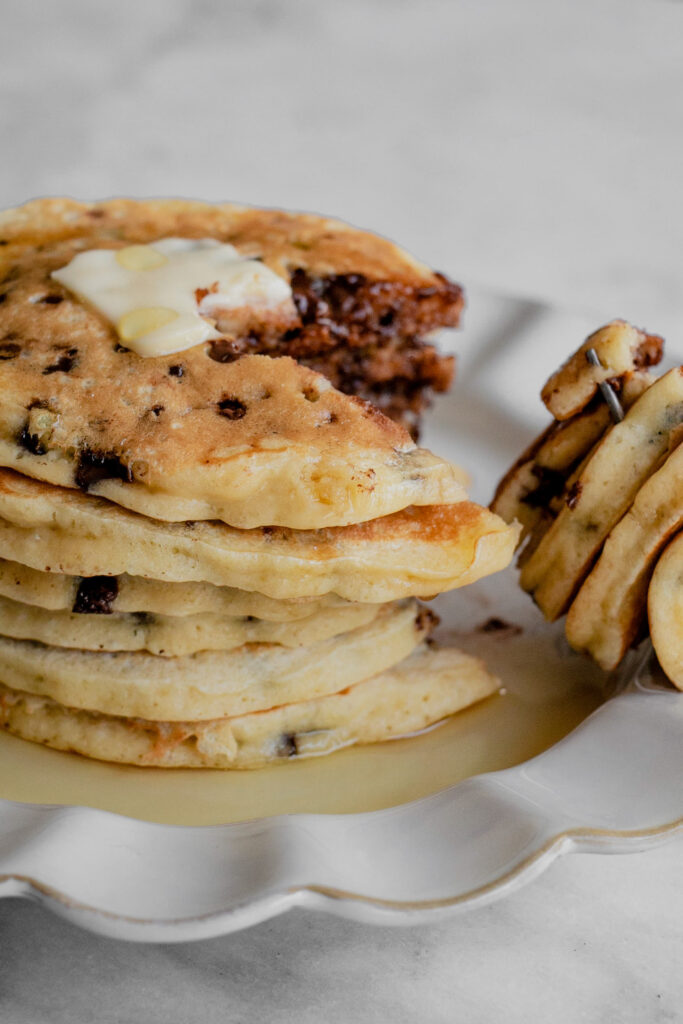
pixel 163 297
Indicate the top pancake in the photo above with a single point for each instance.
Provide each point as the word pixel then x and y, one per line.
pixel 256 441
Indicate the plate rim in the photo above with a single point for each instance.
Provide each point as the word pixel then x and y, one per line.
pixel 558 839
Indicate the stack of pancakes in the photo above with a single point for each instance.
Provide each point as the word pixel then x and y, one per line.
pixel 212 558
pixel 601 502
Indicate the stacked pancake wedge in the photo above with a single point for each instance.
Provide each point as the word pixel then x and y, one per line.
pixel 601 502
pixel 212 562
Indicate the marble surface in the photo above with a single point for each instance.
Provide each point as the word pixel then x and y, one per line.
pixel 534 147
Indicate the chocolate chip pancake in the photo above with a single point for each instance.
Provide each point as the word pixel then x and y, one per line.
pixel 173 636
pixel 425 688
pixel 620 464
pixel 599 540
pixel 609 612
pixel 535 484
pixel 106 595
pixel 417 552
pixel 213 684
pixel 214 431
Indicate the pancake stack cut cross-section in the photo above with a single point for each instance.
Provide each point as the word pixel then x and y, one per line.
pixel 604 543
pixel 210 555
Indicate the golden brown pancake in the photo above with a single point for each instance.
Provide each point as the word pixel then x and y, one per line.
pixel 173 636
pixel 616 470
pixel 539 477
pixel 104 595
pixel 609 612
pixel 252 441
pixel 419 551
pixel 213 684
pixel 422 690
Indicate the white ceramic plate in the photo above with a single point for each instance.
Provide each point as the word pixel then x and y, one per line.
pixel 401 832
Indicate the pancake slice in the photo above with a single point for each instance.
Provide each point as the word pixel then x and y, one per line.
pixel 422 690
pixel 609 611
pixel 213 684
pixel 539 476
pixel 279 447
pixel 620 348
pixel 604 490
pixel 171 635
pixel 416 552
pixel 665 610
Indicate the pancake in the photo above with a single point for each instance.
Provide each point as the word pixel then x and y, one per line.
pixel 102 595
pixel 322 252
pixel 212 432
pixel 665 610
pixel 416 552
pixel 540 475
pixel 609 612
pixel 213 684
pixel 174 636
pixel 425 688
pixel 601 494
pixel 620 348
pixel 262 442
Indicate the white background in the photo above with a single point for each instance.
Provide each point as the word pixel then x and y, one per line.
pixel 535 146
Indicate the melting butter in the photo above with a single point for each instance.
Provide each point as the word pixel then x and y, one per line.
pixel 163 297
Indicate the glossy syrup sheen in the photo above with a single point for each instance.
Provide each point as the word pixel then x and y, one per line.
pixel 547 692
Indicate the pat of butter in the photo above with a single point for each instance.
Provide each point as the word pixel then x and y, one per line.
pixel 162 297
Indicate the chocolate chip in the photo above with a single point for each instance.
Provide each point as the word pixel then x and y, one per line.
pixel 52 300
pixel 349 304
pixel 426 620
pixel 496 625
pixel 143 618
pixel 94 466
pixel 226 350
pixel 96 595
pixel 3 297
pixel 287 745
pixel 9 350
pixel 307 293
pixel 157 409
pixel 177 370
pixel 550 484
pixel 31 442
pixel 232 408
pixel 64 364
